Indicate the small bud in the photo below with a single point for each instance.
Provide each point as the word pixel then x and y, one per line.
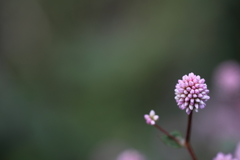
pixel 151 118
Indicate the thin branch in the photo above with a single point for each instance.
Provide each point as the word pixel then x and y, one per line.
pixel 168 134
pixel 187 143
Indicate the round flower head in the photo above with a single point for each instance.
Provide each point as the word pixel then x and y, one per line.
pixel 191 93
pixel 221 156
pixel 151 118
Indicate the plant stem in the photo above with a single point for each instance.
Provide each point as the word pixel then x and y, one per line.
pixel 190 150
pixel 187 143
pixel 168 134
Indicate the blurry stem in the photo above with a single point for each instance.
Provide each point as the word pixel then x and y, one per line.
pixel 187 143
pixel 169 135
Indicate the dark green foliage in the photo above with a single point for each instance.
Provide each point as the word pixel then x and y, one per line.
pixel 170 142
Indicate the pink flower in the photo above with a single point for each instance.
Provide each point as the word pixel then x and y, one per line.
pixel 237 151
pixel 191 93
pixel 151 118
pixel 221 156
pixel 227 78
pixel 130 154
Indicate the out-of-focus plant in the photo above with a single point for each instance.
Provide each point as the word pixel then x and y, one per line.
pixel 222 156
pixel 131 154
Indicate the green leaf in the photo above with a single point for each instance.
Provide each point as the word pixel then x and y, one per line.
pixel 170 142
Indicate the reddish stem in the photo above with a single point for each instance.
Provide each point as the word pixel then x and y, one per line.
pixel 169 135
pixel 187 143
pixel 188 146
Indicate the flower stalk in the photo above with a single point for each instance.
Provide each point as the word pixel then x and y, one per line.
pixel 188 135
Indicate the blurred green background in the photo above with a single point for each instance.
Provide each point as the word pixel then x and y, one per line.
pixel 77 76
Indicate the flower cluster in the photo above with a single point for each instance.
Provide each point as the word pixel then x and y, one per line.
pixel 227 78
pixel 130 154
pixel 151 118
pixel 191 93
pixel 221 156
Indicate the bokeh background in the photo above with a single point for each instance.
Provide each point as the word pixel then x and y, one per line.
pixel 77 76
